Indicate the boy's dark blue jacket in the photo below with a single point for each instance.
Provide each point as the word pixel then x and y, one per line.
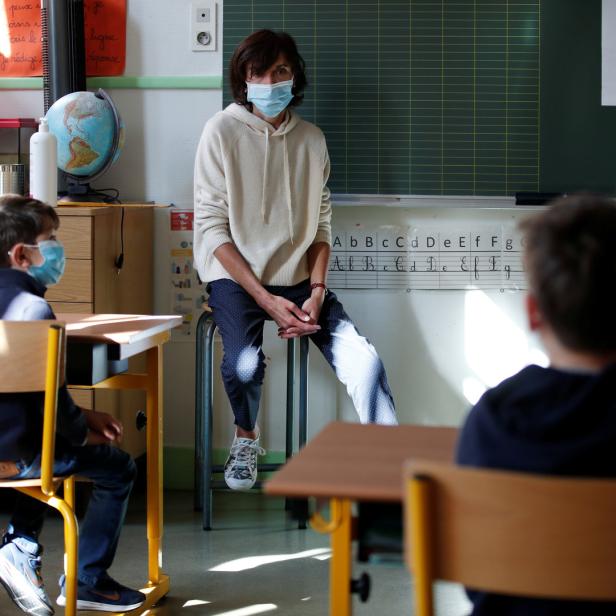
pixel 21 415
pixel 547 421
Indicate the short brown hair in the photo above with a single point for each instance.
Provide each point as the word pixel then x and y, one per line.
pixel 260 50
pixel 570 259
pixel 22 220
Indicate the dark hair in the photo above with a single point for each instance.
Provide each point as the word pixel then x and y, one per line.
pixel 260 50
pixel 22 220
pixel 571 266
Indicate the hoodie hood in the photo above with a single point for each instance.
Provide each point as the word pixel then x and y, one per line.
pixel 261 127
pixel 255 123
pixel 545 420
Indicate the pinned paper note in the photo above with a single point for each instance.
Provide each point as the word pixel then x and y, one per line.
pixel 20 38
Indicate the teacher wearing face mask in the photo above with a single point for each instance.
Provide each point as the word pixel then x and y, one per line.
pixel 262 241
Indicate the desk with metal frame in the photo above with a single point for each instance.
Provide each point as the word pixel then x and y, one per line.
pixel 351 462
pixel 126 336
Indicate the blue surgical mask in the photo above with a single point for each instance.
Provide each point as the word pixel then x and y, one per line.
pixel 51 269
pixel 270 99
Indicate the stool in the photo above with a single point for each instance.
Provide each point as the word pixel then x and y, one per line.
pixel 204 404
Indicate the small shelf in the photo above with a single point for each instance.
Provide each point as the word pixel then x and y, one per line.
pixel 18 123
pixel 434 202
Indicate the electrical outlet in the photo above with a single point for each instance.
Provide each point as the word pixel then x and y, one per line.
pixel 202 25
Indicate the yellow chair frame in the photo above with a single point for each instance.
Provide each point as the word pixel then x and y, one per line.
pixel 32 357
pixel 510 533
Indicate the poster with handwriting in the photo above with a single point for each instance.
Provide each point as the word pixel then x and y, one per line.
pixel 20 38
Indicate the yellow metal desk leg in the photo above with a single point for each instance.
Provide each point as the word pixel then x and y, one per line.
pixel 340 601
pixel 154 463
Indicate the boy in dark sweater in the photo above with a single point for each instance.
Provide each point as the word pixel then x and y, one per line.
pixel 559 420
pixel 31 259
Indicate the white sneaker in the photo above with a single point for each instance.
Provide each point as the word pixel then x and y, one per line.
pixel 20 574
pixel 241 465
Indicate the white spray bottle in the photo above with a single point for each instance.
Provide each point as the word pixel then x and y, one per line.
pixel 43 165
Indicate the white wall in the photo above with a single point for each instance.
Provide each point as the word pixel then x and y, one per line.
pixel 435 344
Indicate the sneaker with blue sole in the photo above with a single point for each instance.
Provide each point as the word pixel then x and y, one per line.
pixel 107 596
pixel 20 574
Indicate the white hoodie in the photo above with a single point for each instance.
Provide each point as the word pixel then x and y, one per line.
pixel 264 190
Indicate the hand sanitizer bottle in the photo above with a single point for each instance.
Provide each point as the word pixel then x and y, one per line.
pixel 43 165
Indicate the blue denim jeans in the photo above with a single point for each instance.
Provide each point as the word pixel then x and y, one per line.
pixel 354 359
pixel 113 472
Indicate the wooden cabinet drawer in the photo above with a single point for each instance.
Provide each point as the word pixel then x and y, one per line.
pixel 75 233
pixel 72 307
pixel 76 284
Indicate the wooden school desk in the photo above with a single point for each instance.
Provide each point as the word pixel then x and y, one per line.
pixel 348 462
pixel 125 336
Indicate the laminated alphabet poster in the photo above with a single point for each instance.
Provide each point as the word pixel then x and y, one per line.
pixel 20 37
pixel 436 257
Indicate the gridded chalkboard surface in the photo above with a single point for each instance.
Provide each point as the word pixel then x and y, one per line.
pixel 384 131
pixel 415 96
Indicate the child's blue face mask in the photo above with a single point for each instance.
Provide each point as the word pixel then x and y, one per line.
pixel 51 269
pixel 270 99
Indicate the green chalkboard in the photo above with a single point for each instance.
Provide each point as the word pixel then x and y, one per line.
pixel 578 135
pixel 449 97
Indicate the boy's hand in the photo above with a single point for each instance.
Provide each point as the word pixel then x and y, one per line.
pixel 103 428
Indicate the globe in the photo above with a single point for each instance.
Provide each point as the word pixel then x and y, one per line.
pixel 89 132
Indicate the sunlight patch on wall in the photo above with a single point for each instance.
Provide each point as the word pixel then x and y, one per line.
pixel 494 346
pixel 473 389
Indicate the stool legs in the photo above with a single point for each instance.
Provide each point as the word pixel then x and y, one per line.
pixel 303 411
pixel 199 386
pixel 303 389
pixel 204 411
pixel 290 396
pixel 208 412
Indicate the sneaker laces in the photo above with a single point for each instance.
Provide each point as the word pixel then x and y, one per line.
pixel 243 455
pixel 36 564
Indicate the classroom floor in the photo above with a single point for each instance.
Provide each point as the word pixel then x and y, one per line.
pixel 253 562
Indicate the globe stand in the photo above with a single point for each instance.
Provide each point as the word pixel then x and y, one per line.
pixel 81 193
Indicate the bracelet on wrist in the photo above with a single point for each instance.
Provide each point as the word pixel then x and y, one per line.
pixel 318 285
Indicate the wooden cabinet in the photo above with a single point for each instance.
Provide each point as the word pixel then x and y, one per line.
pixel 92 283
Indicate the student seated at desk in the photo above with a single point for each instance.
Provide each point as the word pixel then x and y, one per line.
pixel 559 420
pixel 31 259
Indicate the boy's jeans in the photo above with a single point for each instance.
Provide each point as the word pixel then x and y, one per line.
pixel 113 472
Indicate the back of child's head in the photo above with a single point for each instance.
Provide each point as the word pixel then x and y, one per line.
pixel 570 258
pixel 23 219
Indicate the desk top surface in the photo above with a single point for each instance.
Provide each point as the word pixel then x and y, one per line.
pixel 120 329
pixel 360 462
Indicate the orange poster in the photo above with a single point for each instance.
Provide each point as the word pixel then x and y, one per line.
pixel 20 37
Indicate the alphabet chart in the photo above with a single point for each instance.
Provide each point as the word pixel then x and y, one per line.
pixel 388 257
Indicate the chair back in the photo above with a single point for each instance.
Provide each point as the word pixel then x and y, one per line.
pixel 32 358
pixel 23 355
pixel 511 533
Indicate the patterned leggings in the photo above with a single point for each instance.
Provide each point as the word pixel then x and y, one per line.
pixel 354 359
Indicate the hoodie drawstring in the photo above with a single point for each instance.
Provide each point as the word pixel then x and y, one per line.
pixel 288 186
pixel 287 178
pixel 265 174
